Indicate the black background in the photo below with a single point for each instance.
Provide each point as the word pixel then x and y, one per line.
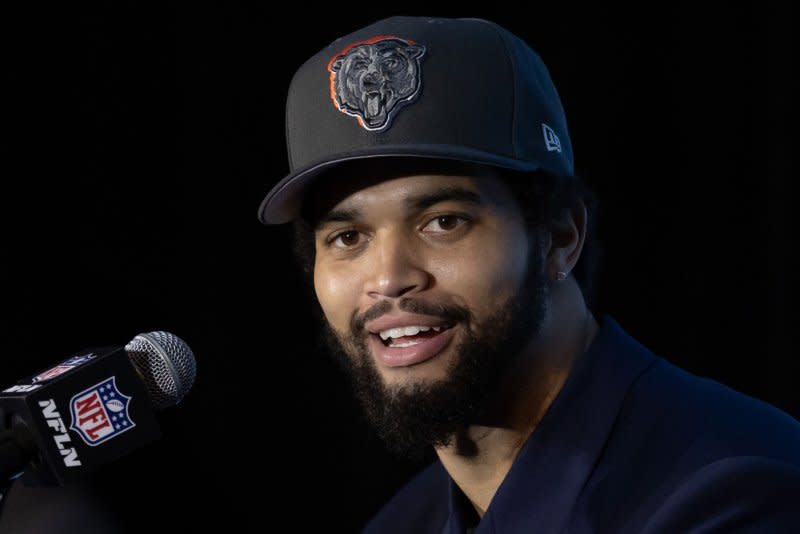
pixel 139 141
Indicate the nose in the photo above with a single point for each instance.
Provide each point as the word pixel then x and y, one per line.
pixel 396 269
pixel 371 78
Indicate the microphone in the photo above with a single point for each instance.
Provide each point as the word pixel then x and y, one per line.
pixel 91 409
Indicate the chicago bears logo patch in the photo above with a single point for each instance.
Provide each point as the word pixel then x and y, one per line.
pixel 373 79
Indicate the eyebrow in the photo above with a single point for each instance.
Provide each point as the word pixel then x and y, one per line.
pixel 338 216
pixel 416 203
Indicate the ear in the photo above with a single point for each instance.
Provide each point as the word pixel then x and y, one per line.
pixel 414 51
pixel 567 235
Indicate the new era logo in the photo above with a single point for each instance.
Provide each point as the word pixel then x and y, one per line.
pixel 551 139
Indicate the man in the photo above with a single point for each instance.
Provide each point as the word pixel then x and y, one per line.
pixel 436 207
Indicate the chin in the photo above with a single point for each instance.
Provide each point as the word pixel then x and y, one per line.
pixel 426 373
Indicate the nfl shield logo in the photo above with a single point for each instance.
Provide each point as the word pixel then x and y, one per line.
pixel 100 413
pixel 52 373
pixel 63 367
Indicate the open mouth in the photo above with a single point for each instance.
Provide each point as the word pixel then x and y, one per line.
pixel 408 336
pixel 409 345
pixel 373 103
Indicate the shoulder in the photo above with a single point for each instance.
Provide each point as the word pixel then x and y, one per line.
pixel 735 494
pixel 687 450
pixel 419 506
pixel 689 414
pixel 667 411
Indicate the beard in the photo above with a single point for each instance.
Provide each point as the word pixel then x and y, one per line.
pixel 411 418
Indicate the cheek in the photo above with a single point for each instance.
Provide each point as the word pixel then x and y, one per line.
pixel 510 261
pixel 495 272
pixel 337 294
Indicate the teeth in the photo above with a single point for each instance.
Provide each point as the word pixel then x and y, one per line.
pixel 406 331
pixel 406 344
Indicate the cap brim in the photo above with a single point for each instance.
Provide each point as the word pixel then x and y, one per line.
pixel 283 203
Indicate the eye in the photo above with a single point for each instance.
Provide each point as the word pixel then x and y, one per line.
pixel 346 239
pixel 444 223
pixel 391 64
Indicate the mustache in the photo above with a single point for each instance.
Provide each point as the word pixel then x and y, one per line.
pixel 450 313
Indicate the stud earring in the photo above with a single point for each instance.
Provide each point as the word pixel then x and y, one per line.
pixel 561 275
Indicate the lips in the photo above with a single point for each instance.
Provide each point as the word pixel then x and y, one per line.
pixel 404 354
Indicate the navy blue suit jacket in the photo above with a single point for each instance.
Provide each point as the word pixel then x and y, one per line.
pixel 631 444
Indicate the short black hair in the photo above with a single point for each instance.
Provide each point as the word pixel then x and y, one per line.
pixel 543 198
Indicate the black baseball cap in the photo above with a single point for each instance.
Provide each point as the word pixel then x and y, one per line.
pixel 462 89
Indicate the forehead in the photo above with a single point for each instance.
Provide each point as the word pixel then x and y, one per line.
pixel 375 48
pixel 362 51
pixel 396 180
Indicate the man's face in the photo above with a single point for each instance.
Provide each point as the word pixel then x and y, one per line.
pixel 425 283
